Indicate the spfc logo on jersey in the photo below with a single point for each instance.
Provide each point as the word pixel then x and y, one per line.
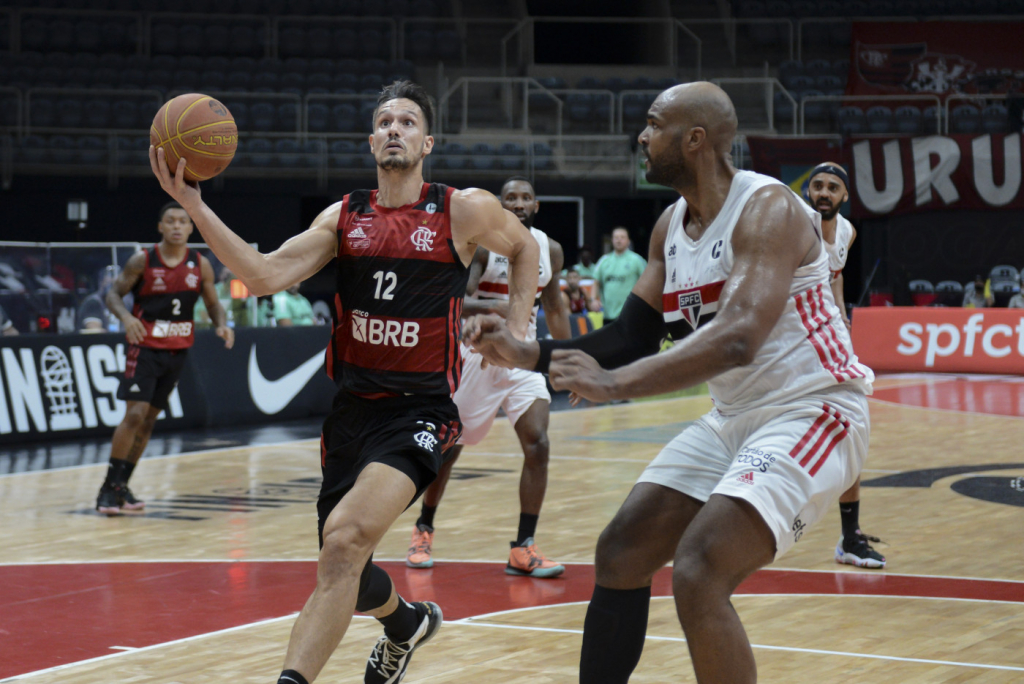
pixel 423 239
pixel 192 281
pixel 690 304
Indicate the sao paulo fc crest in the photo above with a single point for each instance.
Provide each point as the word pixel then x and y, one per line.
pixel 690 304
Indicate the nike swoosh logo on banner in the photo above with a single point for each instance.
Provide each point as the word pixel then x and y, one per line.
pixel 270 396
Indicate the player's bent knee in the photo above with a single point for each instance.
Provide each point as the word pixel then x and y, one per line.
pixel 374 588
pixel 537 449
pixel 345 551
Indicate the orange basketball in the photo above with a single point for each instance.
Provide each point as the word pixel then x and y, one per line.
pixel 198 128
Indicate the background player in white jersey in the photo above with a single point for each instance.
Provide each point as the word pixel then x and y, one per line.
pixel 738 264
pixel 522 394
pixel 828 189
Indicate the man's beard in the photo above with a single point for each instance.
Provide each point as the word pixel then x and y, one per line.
pixel 527 220
pixel 671 173
pixel 396 162
pixel 829 214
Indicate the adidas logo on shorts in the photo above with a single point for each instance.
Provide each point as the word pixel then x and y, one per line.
pixel 746 478
pixel 134 388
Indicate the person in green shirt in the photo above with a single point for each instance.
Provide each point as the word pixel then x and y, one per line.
pixel 617 273
pixel 586 266
pixel 291 308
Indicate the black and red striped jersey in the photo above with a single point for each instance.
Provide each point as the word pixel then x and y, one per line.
pixel 400 289
pixel 165 298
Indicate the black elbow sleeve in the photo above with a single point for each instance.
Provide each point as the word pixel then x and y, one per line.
pixel 636 333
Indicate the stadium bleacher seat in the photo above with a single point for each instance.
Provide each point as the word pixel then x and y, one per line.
pixel 1004 273
pixel 97 113
pixel 289 116
pixel 510 156
pixel 922 292
pixel 964 119
pixel 260 152
pixel 344 118
pixel 949 293
pixel 483 156
pixel 261 117
pixel 365 156
pixel 447 45
pixel 288 152
pixel 455 155
pixel 907 120
pixel 995 119
pixel 62 149
pixel 879 119
pixel 317 117
pixel 92 149
pixel 851 121
pixel 124 114
pixel 240 112
pixel 41 113
pixel 33 149
pixel 343 154
pixel 814 110
pixel 1003 291
pixel 542 157
pixel 930 119
pixel 311 152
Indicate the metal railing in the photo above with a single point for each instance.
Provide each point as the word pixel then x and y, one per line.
pixel 275 24
pixel 982 100
pixel 770 85
pixel 528 85
pixel 931 99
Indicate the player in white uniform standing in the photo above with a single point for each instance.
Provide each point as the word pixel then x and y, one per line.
pixel 522 394
pixel 828 189
pixel 738 275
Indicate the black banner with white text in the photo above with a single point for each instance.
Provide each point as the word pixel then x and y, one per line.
pixel 59 386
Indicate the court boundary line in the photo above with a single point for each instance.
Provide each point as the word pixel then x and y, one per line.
pixel 502 562
pixel 766 647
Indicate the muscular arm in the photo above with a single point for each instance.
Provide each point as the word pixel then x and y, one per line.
pixel 637 332
pixel 772 239
pixel 218 316
pixel 471 305
pixel 297 259
pixel 130 275
pixel 479 219
pixel 556 311
pixel 837 285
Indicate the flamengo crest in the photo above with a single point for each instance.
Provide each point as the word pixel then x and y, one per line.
pixel 423 239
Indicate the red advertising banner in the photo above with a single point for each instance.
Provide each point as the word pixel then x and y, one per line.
pixel 941 340
pixel 903 175
pixel 935 58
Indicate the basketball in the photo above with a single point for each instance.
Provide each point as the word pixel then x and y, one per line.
pixel 198 128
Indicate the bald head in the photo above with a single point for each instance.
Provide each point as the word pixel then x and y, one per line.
pixel 701 105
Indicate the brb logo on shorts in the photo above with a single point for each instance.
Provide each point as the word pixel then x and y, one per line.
pixel 172 329
pixel 382 331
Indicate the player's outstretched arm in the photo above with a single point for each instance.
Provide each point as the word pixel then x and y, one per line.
pixel 479 219
pixel 218 316
pixel 134 330
pixel 264 274
pixel 773 237
pixel 556 311
pixel 636 333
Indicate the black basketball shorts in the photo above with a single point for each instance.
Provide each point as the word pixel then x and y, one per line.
pixel 150 375
pixel 413 434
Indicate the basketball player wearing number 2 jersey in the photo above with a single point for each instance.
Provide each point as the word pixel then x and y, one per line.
pixel 166 281
pixel 523 395
pixel 738 275
pixel 827 189
pixel 403 256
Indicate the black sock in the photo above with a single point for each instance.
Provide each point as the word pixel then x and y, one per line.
pixel 613 634
pixel 427 516
pixel 116 471
pixel 527 527
pixel 126 474
pixel 290 677
pixel 403 623
pixel 849 513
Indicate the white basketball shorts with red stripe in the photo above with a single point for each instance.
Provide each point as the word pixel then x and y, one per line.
pixel 790 461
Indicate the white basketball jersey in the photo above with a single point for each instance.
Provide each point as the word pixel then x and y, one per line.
pixel 494 281
pixel 839 250
pixel 809 348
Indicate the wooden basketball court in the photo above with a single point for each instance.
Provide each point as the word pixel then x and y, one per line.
pixel 204 586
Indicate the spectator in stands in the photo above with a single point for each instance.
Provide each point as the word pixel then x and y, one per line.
pixel 291 308
pixel 617 273
pixel 6 324
pixel 1016 301
pixel 586 266
pixel 978 295
pixel 92 315
pixel 235 301
pixel 576 298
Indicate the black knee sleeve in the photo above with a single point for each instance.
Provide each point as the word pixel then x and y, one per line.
pixel 374 588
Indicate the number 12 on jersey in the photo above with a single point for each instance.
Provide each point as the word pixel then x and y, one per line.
pixel 392 280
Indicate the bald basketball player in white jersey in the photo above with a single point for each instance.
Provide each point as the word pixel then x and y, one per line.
pixel 522 394
pixel 828 189
pixel 738 274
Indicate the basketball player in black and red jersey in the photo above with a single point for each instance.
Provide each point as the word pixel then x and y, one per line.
pixel 403 256
pixel 166 281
